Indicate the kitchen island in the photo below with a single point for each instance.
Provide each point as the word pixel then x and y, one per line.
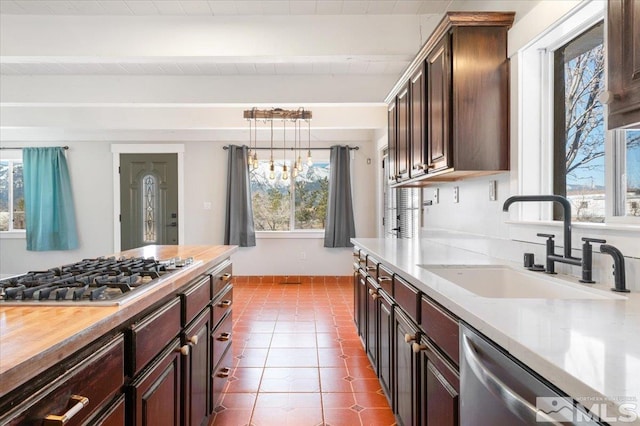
pixel 36 339
pixel 587 348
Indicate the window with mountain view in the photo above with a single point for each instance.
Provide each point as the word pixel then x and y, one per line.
pixel 11 196
pixel 580 133
pixel 292 204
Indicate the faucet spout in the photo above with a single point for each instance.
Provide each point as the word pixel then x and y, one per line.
pixel 618 267
pixel 566 207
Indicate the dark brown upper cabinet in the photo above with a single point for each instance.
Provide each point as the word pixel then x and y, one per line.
pixel 623 50
pixel 402 152
pixel 417 136
pixel 392 143
pixel 458 106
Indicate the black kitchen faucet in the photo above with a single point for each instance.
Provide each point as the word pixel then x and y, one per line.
pixel 586 261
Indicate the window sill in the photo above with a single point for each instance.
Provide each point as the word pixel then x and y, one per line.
pixel 13 235
pixel 289 235
pixel 597 227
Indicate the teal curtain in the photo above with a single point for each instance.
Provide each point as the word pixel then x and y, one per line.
pixel 49 213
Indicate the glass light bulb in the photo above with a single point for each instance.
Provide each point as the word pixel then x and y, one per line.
pixel 295 172
pixel 285 174
pixel 309 161
pixel 272 171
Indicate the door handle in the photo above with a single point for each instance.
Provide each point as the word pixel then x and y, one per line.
pixel 173 224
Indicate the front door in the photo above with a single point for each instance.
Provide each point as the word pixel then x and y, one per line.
pixel 148 199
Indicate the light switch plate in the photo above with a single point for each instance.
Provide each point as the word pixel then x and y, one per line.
pixel 493 190
pixel 436 196
pixel 456 194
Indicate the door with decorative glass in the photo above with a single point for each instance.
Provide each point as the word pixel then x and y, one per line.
pixel 148 199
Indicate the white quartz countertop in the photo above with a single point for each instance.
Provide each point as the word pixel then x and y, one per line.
pixel 590 349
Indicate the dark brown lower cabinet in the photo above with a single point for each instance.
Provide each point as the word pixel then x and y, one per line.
pixel 385 343
pixel 155 397
pixel 406 369
pixel 439 387
pixel 361 304
pixel 196 368
pixel 113 415
pixel 373 330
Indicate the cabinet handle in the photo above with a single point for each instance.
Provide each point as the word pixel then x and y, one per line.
pixel 53 419
pixel 193 340
pixel 224 372
pixel 431 166
pixel 184 350
pixel 607 96
pixel 409 337
pixel 374 294
pixel 381 279
pixel 225 277
pixel 224 337
pixel 370 268
pixel 417 347
pixel 225 303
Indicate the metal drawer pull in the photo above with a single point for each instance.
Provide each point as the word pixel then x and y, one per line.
pixel 193 340
pixel 184 350
pixel 371 268
pixel 225 277
pixel 224 372
pixel 53 419
pixel 380 279
pixel 224 303
pixel 417 347
pixel 224 337
pixel 512 400
pixel 409 337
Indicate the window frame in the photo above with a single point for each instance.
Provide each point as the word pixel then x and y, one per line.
pixel 292 232
pixel 534 65
pixel 11 233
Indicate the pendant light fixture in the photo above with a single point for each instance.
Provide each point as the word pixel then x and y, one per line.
pixel 268 116
pixel 285 172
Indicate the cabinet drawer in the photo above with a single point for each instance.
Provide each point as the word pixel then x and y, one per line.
pixel 407 297
pixel 221 338
pixel 97 376
pixel 222 305
pixel 385 279
pixel 151 334
pixel 372 266
pixel 195 298
pixel 441 327
pixel 220 375
pixel 113 415
pixel 220 278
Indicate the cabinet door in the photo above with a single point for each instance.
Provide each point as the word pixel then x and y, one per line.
pixel 197 369
pixel 386 327
pixel 402 155
pixel 623 45
pixel 439 106
pixel 392 143
pixel 418 115
pixel 439 387
pixel 373 308
pixel 406 370
pixel 361 313
pixel 155 396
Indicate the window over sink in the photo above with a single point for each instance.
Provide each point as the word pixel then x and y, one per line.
pixel 564 124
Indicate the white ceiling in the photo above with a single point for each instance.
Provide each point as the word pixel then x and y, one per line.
pixel 222 7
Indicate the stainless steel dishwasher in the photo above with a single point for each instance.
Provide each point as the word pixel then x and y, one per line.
pixel 496 390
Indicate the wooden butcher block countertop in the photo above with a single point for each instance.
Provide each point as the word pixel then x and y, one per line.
pixel 34 338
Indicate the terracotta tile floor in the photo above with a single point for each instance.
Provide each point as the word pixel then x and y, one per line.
pixel 298 358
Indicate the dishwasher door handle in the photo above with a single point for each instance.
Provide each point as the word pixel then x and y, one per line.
pixel 514 402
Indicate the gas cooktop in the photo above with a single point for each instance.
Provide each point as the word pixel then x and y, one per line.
pixel 99 281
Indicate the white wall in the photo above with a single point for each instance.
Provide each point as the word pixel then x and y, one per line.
pixel 90 166
pixel 476 215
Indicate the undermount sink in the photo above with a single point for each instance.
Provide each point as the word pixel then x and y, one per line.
pixel 500 281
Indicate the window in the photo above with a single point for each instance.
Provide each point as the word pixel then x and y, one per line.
pixel 401 210
pixel 11 196
pixel 291 204
pixel 565 147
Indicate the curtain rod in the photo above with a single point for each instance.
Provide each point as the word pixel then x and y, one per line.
pixel 266 148
pixel 21 147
